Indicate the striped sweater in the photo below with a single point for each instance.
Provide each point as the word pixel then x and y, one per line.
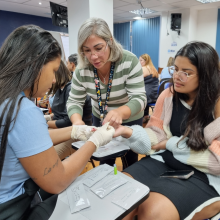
pixel 127 89
pixel 158 129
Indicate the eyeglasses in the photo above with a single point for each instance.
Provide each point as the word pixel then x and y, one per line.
pixel 183 76
pixel 97 51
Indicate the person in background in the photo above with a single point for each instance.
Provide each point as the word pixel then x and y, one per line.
pixel 183 134
pixel 151 82
pixel 165 72
pixel 29 58
pixel 111 76
pixel 59 117
pixel 72 62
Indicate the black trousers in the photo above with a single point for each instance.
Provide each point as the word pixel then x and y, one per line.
pixel 131 157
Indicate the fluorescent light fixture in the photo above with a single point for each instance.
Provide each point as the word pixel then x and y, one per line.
pixel 143 11
pixel 208 1
pixel 40 3
pixel 137 18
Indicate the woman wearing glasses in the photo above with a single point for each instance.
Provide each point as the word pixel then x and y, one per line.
pixel 183 134
pixel 111 76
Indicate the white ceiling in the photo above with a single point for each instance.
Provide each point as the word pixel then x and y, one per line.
pixel 121 7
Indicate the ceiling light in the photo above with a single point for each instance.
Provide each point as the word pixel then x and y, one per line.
pixel 142 11
pixel 40 3
pixel 137 18
pixel 208 1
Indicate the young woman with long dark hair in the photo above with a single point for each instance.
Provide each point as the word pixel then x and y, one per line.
pixel 183 134
pixel 29 58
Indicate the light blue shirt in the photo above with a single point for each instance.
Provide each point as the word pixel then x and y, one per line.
pixel 28 137
pixel 165 73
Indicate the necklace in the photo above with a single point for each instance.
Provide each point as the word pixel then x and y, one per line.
pixel 104 77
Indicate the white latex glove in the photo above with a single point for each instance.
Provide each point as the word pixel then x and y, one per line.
pixel 82 132
pixel 47 117
pixel 102 135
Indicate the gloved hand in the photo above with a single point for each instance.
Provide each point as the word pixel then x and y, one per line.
pixel 102 136
pixel 82 132
pixel 47 117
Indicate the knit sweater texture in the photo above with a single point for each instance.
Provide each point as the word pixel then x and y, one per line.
pixel 158 129
pixel 127 89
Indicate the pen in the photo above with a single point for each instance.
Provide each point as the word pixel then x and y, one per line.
pixel 115 169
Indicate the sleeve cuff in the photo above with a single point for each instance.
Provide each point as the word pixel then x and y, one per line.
pixel 173 141
pixel 135 107
pixel 139 141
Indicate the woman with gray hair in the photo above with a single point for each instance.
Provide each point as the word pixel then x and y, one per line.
pixel 111 76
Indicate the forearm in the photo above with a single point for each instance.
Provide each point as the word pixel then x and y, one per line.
pixel 138 139
pixel 76 118
pixel 125 111
pixel 52 124
pixel 60 135
pixel 205 161
pixel 75 164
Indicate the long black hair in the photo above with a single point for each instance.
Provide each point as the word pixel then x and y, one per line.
pixel 63 76
pixel 206 60
pixel 25 51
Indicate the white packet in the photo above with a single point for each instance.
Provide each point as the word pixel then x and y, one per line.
pixel 107 185
pixel 77 198
pixel 97 174
pixel 129 196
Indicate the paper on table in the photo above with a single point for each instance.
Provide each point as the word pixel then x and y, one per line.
pixel 107 185
pixel 129 195
pixel 116 145
pixel 97 174
pixel 77 198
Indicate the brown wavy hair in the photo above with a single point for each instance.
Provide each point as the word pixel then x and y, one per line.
pixel 150 64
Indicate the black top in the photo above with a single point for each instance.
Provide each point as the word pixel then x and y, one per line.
pixel 179 118
pixel 177 127
pixel 60 112
pixel 151 87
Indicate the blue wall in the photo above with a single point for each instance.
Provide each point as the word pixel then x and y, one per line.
pixel 217 47
pixel 11 20
pixel 146 38
pixel 122 34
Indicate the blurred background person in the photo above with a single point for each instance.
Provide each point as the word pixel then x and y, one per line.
pixel 151 82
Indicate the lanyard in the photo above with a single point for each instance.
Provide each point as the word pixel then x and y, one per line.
pixel 98 91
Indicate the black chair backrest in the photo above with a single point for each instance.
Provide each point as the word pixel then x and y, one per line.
pixel 161 86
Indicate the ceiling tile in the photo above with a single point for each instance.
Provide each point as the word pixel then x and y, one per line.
pixel 126 14
pixel 118 3
pixel 134 1
pixel 116 11
pixel 35 3
pixel 151 3
pixel 63 3
pixel 186 3
pixel 56 1
pixel 18 1
pixel 25 9
pixel 170 1
pixel 164 8
pixel 130 7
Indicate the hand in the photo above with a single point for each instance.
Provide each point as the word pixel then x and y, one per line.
pixel 79 122
pixel 160 146
pixel 114 117
pixel 123 131
pixel 82 132
pixel 47 118
pixel 102 136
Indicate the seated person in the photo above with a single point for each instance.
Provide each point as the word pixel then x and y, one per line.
pixel 151 82
pixel 72 62
pixel 60 118
pixel 165 72
pixel 182 134
pixel 29 58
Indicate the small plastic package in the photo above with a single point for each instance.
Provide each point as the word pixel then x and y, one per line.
pixel 107 185
pixel 77 198
pixel 129 195
pixel 97 174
